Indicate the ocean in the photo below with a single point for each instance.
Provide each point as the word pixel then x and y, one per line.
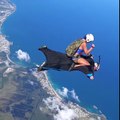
pixel 57 23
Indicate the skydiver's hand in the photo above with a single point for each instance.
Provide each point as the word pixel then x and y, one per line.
pixel 93 46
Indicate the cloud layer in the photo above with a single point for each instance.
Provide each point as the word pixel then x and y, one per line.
pixel 60 110
pixel 21 55
pixel 66 93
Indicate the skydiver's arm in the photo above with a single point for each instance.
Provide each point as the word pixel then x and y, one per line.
pixel 87 51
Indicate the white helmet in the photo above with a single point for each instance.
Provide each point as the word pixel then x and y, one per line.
pixel 89 37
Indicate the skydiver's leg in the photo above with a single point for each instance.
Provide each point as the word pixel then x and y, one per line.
pixel 81 62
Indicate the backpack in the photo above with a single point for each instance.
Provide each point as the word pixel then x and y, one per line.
pixel 73 47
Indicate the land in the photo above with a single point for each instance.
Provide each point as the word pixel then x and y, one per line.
pixel 23 91
pixel 6 9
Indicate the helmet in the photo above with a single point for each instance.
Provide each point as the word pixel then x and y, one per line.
pixel 89 37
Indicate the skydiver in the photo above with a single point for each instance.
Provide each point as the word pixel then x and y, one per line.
pixel 83 50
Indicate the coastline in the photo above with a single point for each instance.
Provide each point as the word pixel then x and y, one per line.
pixel 42 76
pixel 4 14
pixel 80 111
pixel 11 9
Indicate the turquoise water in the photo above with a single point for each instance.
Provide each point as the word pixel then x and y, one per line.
pixel 56 23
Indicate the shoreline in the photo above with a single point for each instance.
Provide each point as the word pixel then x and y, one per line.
pixel 12 8
pixel 4 43
pixel 79 110
pixel 46 76
pixel 43 78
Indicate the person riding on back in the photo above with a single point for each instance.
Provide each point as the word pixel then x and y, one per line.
pixel 82 49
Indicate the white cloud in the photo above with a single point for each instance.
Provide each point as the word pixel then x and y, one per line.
pixel 63 92
pixel 61 111
pixel 74 95
pixel 66 93
pixel 21 55
pixel 65 114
